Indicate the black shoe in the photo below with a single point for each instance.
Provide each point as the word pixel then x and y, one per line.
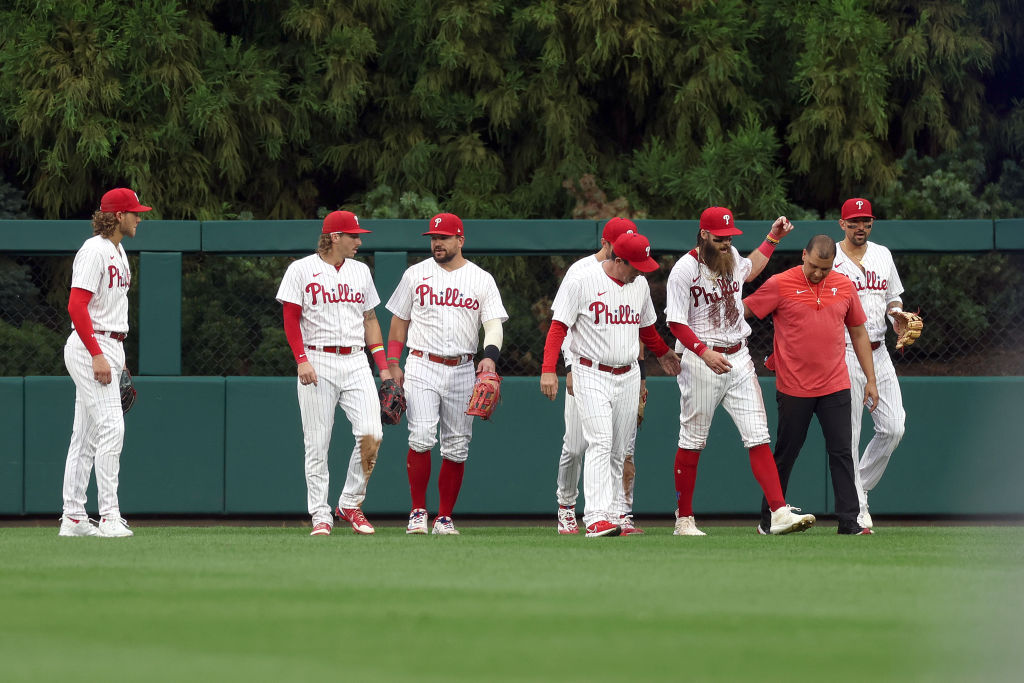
pixel 855 531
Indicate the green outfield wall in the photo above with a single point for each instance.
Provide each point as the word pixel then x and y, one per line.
pixel 211 446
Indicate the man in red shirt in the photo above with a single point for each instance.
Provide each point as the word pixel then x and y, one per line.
pixel 811 307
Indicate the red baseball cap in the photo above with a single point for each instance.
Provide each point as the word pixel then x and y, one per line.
pixel 858 207
pixel 616 227
pixel 446 225
pixel 122 199
pixel 342 221
pixel 636 249
pixel 719 222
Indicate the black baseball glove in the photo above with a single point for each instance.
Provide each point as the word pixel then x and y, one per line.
pixel 392 402
pixel 128 392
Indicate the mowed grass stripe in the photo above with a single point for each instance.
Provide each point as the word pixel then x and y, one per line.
pixel 512 603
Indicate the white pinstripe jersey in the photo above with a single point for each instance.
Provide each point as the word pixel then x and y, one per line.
pixel 101 267
pixel 446 308
pixel 575 270
pixel 877 285
pixel 333 300
pixel 695 297
pixel 604 317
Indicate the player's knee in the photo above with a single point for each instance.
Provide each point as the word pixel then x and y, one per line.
pixel 455 456
pixel 691 444
pixel 422 441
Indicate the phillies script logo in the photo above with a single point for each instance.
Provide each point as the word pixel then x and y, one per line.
pixel 728 287
pixel 621 315
pixel 450 297
pixel 114 275
pixel 336 295
pixel 871 281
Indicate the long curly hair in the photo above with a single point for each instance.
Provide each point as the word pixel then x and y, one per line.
pixel 104 223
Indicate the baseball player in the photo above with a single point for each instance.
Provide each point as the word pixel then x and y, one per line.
pixel 439 307
pixel 871 269
pixel 705 313
pixel 609 311
pixel 94 356
pixel 573 444
pixel 328 300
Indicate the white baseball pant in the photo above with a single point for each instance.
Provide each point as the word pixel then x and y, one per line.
pixel 889 417
pixel 439 393
pixel 701 391
pixel 607 406
pixel 343 380
pixel 97 435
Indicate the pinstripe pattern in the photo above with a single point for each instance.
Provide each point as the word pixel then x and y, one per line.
pixel 436 394
pixel 101 267
pixel 878 285
pixel 345 381
pixel 695 297
pixel 333 300
pixel 701 391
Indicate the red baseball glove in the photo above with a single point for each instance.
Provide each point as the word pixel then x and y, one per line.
pixel 486 395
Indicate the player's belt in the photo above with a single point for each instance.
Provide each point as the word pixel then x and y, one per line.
pixel 875 345
pixel 450 361
pixel 337 350
pixel 620 370
pixel 728 349
pixel 116 336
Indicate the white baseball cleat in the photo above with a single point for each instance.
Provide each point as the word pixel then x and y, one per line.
pixel 321 529
pixel 417 522
pixel 115 527
pixel 686 526
pixel 69 526
pixel 864 519
pixel 786 521
pixel 567 520
pixel 443 526
pixel 760 531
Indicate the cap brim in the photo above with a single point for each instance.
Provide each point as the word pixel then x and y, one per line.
pixel 860 214
pixel 355 231
pixel 648 265
pixel 442 234
pixel 725 232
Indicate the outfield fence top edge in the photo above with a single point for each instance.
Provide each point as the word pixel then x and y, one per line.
pixel 497 236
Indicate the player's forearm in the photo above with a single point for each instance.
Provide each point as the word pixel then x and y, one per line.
pixel 397 334
pixel 556 333
pixel 687 338
pixel 493 338
pixel 374 340
pixel 862 347
pixel 293 331
pixel 78 309
pixel 652 340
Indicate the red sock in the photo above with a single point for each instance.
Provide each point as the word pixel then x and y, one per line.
pixel 449 483
pixel 417 464
pixel 686 480
pixel 767 474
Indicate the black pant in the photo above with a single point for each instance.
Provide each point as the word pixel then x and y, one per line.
pixel 833 411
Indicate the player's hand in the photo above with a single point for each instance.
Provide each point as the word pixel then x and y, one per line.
pixel 486 365
pixel 385 374
pixel 669 362
pixel 397 374
pixel 101 369
pixel 307 375
pixel 781 227
pixel 871 396
pixel 568 383
pixel 549 384
pixel 718 363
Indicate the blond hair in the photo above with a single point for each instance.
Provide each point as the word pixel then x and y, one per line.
pixel 104 223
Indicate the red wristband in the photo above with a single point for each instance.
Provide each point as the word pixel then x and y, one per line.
pixel 767 248
pixel 394 351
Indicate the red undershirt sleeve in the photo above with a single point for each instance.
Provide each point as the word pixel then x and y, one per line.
pixel 553 344
pixel 78 309
pixel 652 340
pixel 685 335
pixel 293 331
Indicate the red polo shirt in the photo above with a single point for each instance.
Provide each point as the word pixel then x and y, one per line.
pixel 810 340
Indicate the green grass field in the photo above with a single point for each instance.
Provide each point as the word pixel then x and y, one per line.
pixel 512 603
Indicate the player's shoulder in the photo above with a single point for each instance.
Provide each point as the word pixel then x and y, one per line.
pixel 303 263
pixel 95 243
pixel 687 263
pixel 583 265
pixel 879 251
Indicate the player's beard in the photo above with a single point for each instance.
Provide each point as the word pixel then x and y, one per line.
pixel 720 263
pixel 444 257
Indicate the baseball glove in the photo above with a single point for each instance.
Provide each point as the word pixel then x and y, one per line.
pixel 128 392
pixel 641 407
pixel 486 395
pixel 392 402
pixel 908 328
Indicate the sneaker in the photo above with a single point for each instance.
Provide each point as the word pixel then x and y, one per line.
pixel 356 518
pixel 626 524
pixel 321 529
pixel 115 527
pixel 69 526
pixel 855 531
pixel 417 522
pixel 864 519
pixel 443 526
pixel 567 520
pixel 786 521
pixel 603 528
pixel 686 526
pixel 760 531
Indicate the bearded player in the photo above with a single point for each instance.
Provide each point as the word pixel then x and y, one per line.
pixel 871 269
pixel 705 313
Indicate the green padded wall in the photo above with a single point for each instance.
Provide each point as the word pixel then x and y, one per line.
pixel 12 444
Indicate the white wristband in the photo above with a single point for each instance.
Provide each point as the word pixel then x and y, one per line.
pixel 894 309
